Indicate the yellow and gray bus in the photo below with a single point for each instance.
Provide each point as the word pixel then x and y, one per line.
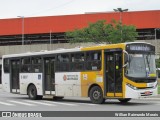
pixel 115 71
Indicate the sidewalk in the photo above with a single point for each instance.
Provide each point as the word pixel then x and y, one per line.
pixel 0 86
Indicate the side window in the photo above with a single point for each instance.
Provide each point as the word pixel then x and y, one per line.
pixel 77 61
pixel 63 58
pixel 93 60
pixel 93 55
pixel 36 64
pixel 62 62
pixel 26 64
pixel 36 60
pixel 6 65
pixel 77 57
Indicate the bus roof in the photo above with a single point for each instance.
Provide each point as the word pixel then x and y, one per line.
pixel 76 49
pixel 42 52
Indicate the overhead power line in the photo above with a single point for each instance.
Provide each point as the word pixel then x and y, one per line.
pixel 49 9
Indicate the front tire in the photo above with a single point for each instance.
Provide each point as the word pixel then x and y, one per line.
pixel 96 95
pixel 32 93
pixel 125 100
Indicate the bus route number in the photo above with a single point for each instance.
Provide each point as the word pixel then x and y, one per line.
pixel 85 76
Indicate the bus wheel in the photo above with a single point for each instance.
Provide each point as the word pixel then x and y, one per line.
pixel 125 100
pixel 96 95
pixel 32 92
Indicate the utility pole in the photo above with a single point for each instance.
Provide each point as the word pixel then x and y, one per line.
pixel 22 28
pixel 156 42
pixel 50 39
pixel 120 10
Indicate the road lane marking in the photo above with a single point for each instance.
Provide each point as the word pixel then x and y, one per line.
pixel 8 104
pixel 86 104
pixel 22 103
pixel 61 103
pixel 149 99
pixel 38 102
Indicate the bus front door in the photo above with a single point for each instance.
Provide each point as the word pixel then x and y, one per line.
pixel 113 73
pixel 14 77
pixel 49 76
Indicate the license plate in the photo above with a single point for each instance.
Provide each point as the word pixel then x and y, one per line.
pixel 147 93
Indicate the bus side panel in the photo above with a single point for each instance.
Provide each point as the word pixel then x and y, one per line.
pixel 68 84
pixel 6 82
pixel 90 78
pixel 28 78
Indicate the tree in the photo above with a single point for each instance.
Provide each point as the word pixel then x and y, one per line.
pixel 158 63
pixel 99 32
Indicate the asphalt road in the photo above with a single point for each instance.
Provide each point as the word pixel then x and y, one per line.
pixel 18 102
pixel 15 102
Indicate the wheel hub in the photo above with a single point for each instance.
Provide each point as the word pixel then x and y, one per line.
pixel 96 95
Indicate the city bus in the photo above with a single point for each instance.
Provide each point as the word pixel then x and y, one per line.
pixel 113 71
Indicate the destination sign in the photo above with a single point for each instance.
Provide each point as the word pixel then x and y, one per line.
pixel 140 47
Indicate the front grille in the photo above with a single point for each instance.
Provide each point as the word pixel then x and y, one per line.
pixel 144 87
pixel 145 80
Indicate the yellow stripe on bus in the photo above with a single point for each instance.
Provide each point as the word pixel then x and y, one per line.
pixel 89 78
pixel 114 94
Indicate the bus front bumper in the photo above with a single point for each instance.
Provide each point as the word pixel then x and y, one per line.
pixel 140 93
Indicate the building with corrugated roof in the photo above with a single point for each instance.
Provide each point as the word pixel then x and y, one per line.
pixel 39 30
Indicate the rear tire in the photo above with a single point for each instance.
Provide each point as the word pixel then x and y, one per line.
pixel 96 95
pixel 124 100
pixel 32 93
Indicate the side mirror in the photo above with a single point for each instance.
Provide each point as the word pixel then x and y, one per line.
pixel 126 58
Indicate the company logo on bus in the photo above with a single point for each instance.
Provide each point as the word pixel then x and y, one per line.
pixel 70 77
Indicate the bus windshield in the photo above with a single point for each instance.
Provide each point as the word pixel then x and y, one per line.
pixel 141 65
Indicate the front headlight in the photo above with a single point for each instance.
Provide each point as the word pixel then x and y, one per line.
pixel 155 85
pixel 131 86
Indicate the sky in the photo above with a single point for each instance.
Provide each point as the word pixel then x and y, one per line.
pixel 34 8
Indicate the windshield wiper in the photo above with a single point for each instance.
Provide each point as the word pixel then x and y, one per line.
pixel 148 62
